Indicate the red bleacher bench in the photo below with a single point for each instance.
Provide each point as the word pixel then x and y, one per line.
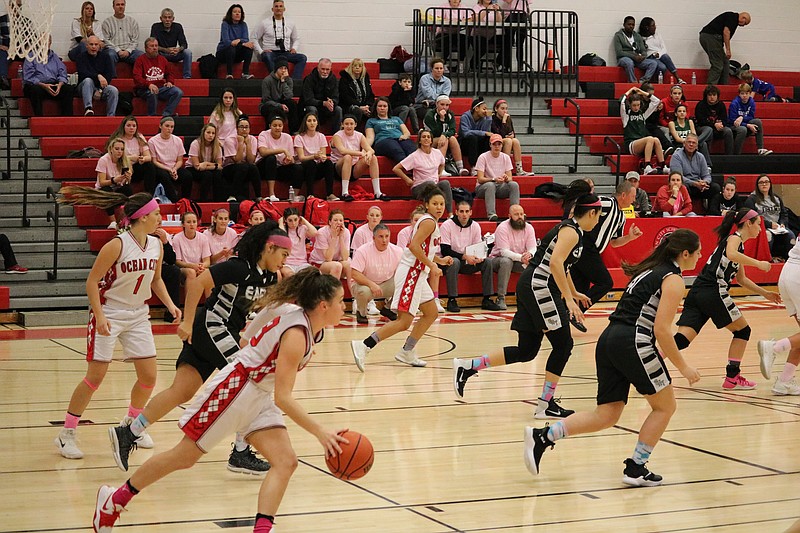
pixel 5 300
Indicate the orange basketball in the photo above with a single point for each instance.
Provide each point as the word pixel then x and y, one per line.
pixel 356 458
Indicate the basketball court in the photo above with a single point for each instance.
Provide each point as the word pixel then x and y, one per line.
pixel 729 459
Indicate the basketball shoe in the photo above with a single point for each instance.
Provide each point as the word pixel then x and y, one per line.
pixel 536 442
pixel 106 512
pixel 66 442
pixel 766 351
pixel 739 382
pixel 123 442
pixel 409 357
pixel 246 462
pixel 546 410
pixel 462 371
pixel 637 475
pixel 144 440
pixel 786 388
pixel 360 352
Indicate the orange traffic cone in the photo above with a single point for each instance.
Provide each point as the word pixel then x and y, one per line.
pixel 550 63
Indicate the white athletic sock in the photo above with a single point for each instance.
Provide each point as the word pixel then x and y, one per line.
pixel 376 187
pixel 241 445
pixel 345 187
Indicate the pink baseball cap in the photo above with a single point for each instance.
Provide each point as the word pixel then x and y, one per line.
pixel 495 138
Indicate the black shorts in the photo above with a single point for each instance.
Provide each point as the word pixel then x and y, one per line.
pixel 621 363
pixel 529 315
pixel 702 304
pixel 202 354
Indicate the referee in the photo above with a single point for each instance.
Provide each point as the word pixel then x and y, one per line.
pixel 590 271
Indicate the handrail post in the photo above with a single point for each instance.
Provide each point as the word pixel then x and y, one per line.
pixel 577 121
pixel 23 166
pixel 607 157
pixel 53 216
pixel 7 122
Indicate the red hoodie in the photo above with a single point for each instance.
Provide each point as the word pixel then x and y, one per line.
pixel 148 71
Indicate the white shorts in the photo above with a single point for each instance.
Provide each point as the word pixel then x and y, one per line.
pixel 230 403
pixel 130 326
pixel 411 289
pixel 789 286
pixel 298 268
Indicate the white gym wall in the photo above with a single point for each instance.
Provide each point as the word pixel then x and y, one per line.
pixel 342 29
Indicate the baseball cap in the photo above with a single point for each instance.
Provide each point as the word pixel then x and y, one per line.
pixel 495 138
pixel 632 175
pixel 443 98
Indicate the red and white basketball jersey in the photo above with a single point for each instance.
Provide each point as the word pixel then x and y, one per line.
pixel 127 282
pixel 429 246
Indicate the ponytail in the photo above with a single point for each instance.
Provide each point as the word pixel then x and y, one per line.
pixel 670 247
pixel 76 195
pixel 732 218
pixel 306 288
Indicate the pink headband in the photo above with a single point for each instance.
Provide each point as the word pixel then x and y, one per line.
pixel 497 103
pixel 280 241
pixel 598 203
pixel 145 210
pixel 750 214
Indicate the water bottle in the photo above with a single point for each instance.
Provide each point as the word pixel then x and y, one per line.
pixel 660 78
pixel 291 193
pixel 19 72
pixel 694 78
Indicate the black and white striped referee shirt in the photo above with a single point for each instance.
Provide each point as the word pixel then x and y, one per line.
pixel 611 224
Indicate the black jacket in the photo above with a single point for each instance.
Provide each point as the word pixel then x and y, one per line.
pixel 347 91
pixel 400 97
pixel 316 90
pixel 705 115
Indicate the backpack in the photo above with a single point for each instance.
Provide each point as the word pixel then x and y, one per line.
pixel 125 103
pixel 591 60
pixel 400 54
pixel 208 66
pixel 161 195
pixel 460 194
pixel 88 152
pixel 316 211
pixel 186 205
pixel 245 206
pixel 269 210
pixel 552 190
pixel 359 193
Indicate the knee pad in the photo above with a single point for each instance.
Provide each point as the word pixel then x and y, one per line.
pixel 743 334
pixel 681 341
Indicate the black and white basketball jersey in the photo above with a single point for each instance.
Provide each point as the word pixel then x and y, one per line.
pixel 542 275
pixel 610 226
pixel 719 271
pixel 639 302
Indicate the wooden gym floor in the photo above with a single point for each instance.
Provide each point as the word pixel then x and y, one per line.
pixel 730 460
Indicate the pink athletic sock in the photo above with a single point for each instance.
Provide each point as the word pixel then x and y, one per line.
pixel 263 525
pixel 71 421
pixel 123 495
pixel 133 412
pixel 782 346
pixel 479 363
pixel 788 372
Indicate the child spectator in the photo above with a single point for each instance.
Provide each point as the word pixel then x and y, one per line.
pixel 742 112
pixel 503 126
pixel 711 115
pixel 764 88
pixel 401 101
pixel 637 141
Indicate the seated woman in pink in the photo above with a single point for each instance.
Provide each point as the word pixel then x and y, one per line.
pixel 205 164
pixel 426 165
pixel 192 251
pixel 299 230
pixel 142 167
pixel 673 199
pixel 312 153
pixel 221 238
pixel 239 171
pixel 353 157
pixel 331 252
pixel 114 174
pixel 276 158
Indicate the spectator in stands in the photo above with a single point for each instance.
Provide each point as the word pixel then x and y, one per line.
pixel 727 200
pixel 167 152
pixel 275 38
pixel 142 168
pixel 205 164
pixel 656 49
pixel 504 126
pixel 771 208
pixel 234 42
pixel 331 252
pixel 442 124
pixel 401 101
pixel 277 95
pixel 667 107
pixel 451 37
pixel 681 126
pixel 47 81
pixel 715 38
pixel 9 259
pixel 652 121
pixel 493 171
pixel 487 34
pixel 388 135
pixel 742 112
pixel 299 230
pixel 637 141
pixel 764 88
pixel 695 171
pixel 711 115
pixel 121 34
pixel 353 157
pixel 114 174
pixel 321 94
pixel 172 41
pixel 364 233
pixel 516 12
pixel 239 170
pixel 95 72
pixel 153 81
pixel 275 158
pixel 82 28
pixel 458 233
pixel 192 250
pixel 641 202
pixel 426 164
pixel 226 115
pixel 514 246
pixel 632 52
pixel 311 148
pixel 5 42
pixel 372 271
pixel 673 199
pixel 474 131
pixel 221 238
pixel 256 217
pixel 355 91
pixel 431 86
pixel 404 237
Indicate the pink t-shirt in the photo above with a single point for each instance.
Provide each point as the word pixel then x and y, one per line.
pixel 285 142
pixel 230 145
pixel 191 250
pixel 107 167
pixel 323 242
pixel 515 241
pixel 133 148
pixel 404 236
pixel 194 150
pixel 350 142
pixel 361 236
pixel 228 126
pixel 493 167
pixel 217 242
pixel 459 238
pixel 377 266
pixel 311 145
pixel 425 167
pixel 298 255
pixel 166 151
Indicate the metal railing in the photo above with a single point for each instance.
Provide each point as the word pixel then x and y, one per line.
pixel 577 121
pixel 6 122
pixel 53 216
pixel 614 162
pixel 23 166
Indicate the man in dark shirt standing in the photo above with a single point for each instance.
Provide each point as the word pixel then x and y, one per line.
pixel 172 41
pixel 715 38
